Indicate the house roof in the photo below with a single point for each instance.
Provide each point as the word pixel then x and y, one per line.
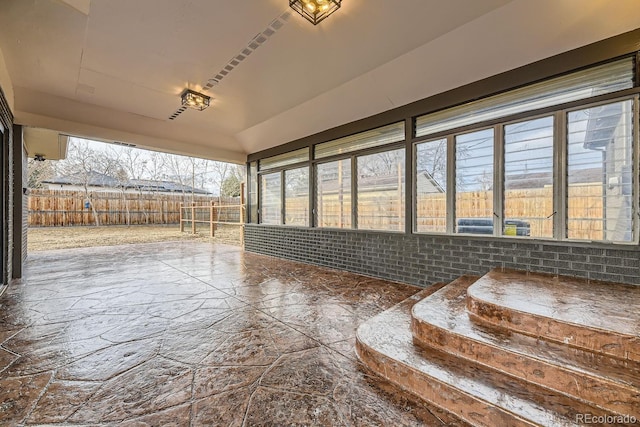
pixel 96 179
pixel 523 181
pixel 91 178
pixel 166 186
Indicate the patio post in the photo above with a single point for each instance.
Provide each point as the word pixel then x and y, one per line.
pixel 181 219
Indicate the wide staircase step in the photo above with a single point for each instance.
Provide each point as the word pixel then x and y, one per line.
pixel 590 315
pixel 441 322
pixel 476 395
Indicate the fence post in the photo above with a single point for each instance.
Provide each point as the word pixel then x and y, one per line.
pixel 193 217
pixel 242 213
pixel 211 216
pixel 181 221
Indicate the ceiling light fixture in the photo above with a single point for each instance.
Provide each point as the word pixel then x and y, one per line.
pixel 195 100
pixel 315 11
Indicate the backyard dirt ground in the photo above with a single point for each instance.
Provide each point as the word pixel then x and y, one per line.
pixel 47 238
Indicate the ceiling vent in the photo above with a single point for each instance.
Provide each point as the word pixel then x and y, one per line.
pixel 254 44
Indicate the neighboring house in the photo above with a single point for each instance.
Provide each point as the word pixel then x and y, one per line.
pixel 98 182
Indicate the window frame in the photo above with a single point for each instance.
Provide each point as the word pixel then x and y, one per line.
pixel 635 172
pixel 314 214
pixel 556 141
pixel 353 157
pixel 414 186
pixel 558 112
pixel 354 182
pixel 494 181
pixel 281 170
pixel 560 167
pixel 284 196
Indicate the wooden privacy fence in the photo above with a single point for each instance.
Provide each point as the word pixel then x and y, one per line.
pixel 55 208
pixel 384 210
pixel 213 214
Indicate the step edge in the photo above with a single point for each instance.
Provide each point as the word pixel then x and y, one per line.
pixel 566 371
pixel 364 344
pixel 418 318
pixel 382 356
pixel 474 302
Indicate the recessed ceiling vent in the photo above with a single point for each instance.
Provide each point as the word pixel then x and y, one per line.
pixel 253 44
pixel 124 144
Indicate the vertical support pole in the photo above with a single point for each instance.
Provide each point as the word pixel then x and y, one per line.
pixel 560 178
pixel 451 185
pixel 636 162
pixel 211 226
pixel 410 205
pixel 242 212
pixel 354 193
pixel 498 180
pixel 181 219
pixel 193 217
pixel 320 199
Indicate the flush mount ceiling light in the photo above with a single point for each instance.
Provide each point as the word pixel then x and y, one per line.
pixel 315 11
pixel 195 100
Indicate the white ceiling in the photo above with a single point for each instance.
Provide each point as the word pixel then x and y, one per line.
pixel 114 69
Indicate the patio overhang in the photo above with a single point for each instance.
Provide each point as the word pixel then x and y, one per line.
pixel 84 79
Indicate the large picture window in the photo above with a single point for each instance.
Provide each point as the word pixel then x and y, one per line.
pixel 271 198
pixel 296 197
pixel 381 186
pixel 333 190
pixel 431 186
pixel 528 178
pixel 474 182
pixel 599 172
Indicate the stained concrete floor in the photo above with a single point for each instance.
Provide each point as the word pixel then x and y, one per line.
pixel 194 334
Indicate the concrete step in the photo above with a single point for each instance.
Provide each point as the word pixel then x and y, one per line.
pixel 590 315
pixel 476 395
pixel 441 322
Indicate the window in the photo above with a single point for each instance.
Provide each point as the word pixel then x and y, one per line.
pixel 296 197
pixel 281 160
pixel 474 182
pixel 373 138
pixel 599 172
pixel 381 182
pixel 333 194
pixel 431 186
pixel 271 198
pixel 566 172
pixel 583 84
pixel 528 178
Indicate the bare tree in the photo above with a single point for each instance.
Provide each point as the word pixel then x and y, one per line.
pixel 86 166
pixel 380 164
pixel 176 167
pixel 38 171
pixel 230 187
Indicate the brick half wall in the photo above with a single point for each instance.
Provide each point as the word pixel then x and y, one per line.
pixel 426 259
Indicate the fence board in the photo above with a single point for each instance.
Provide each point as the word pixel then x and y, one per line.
pixel 381 210
pixel 54 208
